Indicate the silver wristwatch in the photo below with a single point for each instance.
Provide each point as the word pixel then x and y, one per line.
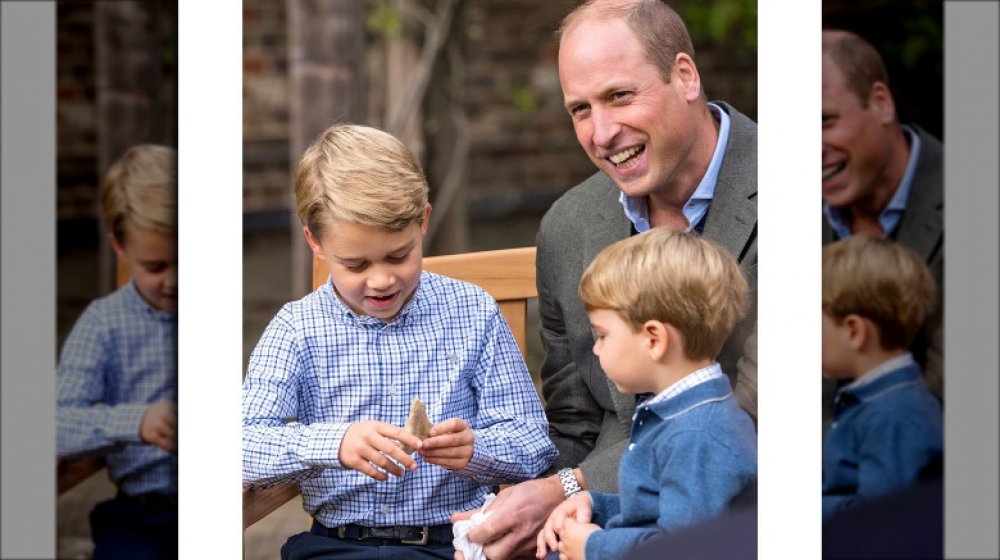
pixel 569 483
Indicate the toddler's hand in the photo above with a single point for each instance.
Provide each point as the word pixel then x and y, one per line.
pixel 367 447
pixel 577 507
pixel 573 539
pixel 159 426
pixel 449 445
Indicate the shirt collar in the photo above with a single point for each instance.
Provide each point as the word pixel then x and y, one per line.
pixel 714 389
pixel 136 300
pixel 890 217
pixel 879 371
pixel 700 200
pixel 688 381
pixel 343 310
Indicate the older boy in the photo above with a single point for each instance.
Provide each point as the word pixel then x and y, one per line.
pixel 334 374
pixel 887 426
pixel 662 304
pixel 117 377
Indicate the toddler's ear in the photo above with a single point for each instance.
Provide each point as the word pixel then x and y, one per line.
pixel 657 339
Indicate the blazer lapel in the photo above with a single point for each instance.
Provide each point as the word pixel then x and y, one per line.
pixel 922 224
pixel 732 217
pixel 608 227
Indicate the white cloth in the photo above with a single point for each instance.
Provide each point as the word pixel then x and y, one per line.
pixel 471 550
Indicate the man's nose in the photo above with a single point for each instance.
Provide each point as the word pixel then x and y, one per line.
pixel 606 127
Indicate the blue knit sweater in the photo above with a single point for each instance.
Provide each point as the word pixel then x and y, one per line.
pixel 883 434
pixel 687 458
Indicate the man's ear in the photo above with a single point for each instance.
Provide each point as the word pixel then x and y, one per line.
pixel 686 74
pixel 880 100
pixel 313 243
pixel 118 248
pixel 656 339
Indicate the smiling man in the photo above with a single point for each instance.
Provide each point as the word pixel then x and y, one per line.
pixel 880 177
pixel 666 157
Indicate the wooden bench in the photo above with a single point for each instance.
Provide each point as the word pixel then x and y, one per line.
pixel 507 274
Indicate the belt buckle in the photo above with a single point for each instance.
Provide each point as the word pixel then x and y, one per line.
pixel 424 533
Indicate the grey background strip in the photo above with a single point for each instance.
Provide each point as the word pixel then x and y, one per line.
pixel 972 282
pixel 27 286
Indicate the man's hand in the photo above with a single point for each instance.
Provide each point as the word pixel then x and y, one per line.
pixel 518 514
pixel 368 446
pixel 578 508
pixel 159 426
pixel 449 444
pixel 573 539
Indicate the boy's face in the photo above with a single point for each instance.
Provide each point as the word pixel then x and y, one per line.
pixel 151 257
pixel 375 272
pixel 837 350
pixel 621 351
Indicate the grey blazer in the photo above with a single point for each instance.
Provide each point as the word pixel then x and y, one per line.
pixel 922 229
pixel 589 419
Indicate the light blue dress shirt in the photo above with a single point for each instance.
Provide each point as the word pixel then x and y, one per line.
pixel 697 205
pixel 892 214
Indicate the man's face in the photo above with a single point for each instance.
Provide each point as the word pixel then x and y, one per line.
pixel 374 272
pixel 856 142
pixel 633 126
pixel 151 257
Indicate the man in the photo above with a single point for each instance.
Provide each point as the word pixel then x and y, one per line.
pixel 880 178
pixel 667 158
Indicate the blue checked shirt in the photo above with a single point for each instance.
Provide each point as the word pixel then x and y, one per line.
pixel 120 357
pixel 319 367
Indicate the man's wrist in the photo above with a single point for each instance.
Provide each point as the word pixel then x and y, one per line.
pixel 569 482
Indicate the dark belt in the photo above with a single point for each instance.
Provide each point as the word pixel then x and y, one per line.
pixel 402 534
pixel 151 500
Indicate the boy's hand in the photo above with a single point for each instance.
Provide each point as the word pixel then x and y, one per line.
pixel 159 426
pixel 449 445
pixel 573 539
pixel 578 508
pixel 369 444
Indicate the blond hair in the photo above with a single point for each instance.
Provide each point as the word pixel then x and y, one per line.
pixel 677 278
pixel 658 28
pixel 140 191
pixel 362 175
pixel 879 280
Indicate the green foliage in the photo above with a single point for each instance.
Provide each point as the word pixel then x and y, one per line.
pixel 384 19
pixel 721 20
pixel 524 98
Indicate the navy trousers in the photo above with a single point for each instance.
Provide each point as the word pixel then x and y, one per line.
pixel 318 547
pixel 125 530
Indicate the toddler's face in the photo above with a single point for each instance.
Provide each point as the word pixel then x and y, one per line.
pixel 152 260
pixel 375 272
pixel 620 351
pixel 836 349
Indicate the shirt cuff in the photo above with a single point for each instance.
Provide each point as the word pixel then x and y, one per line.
pixel 125 422
pixel 481 466
pixel 319 445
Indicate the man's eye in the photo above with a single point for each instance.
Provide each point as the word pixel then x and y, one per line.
pixel 620 95
pixel 578 109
